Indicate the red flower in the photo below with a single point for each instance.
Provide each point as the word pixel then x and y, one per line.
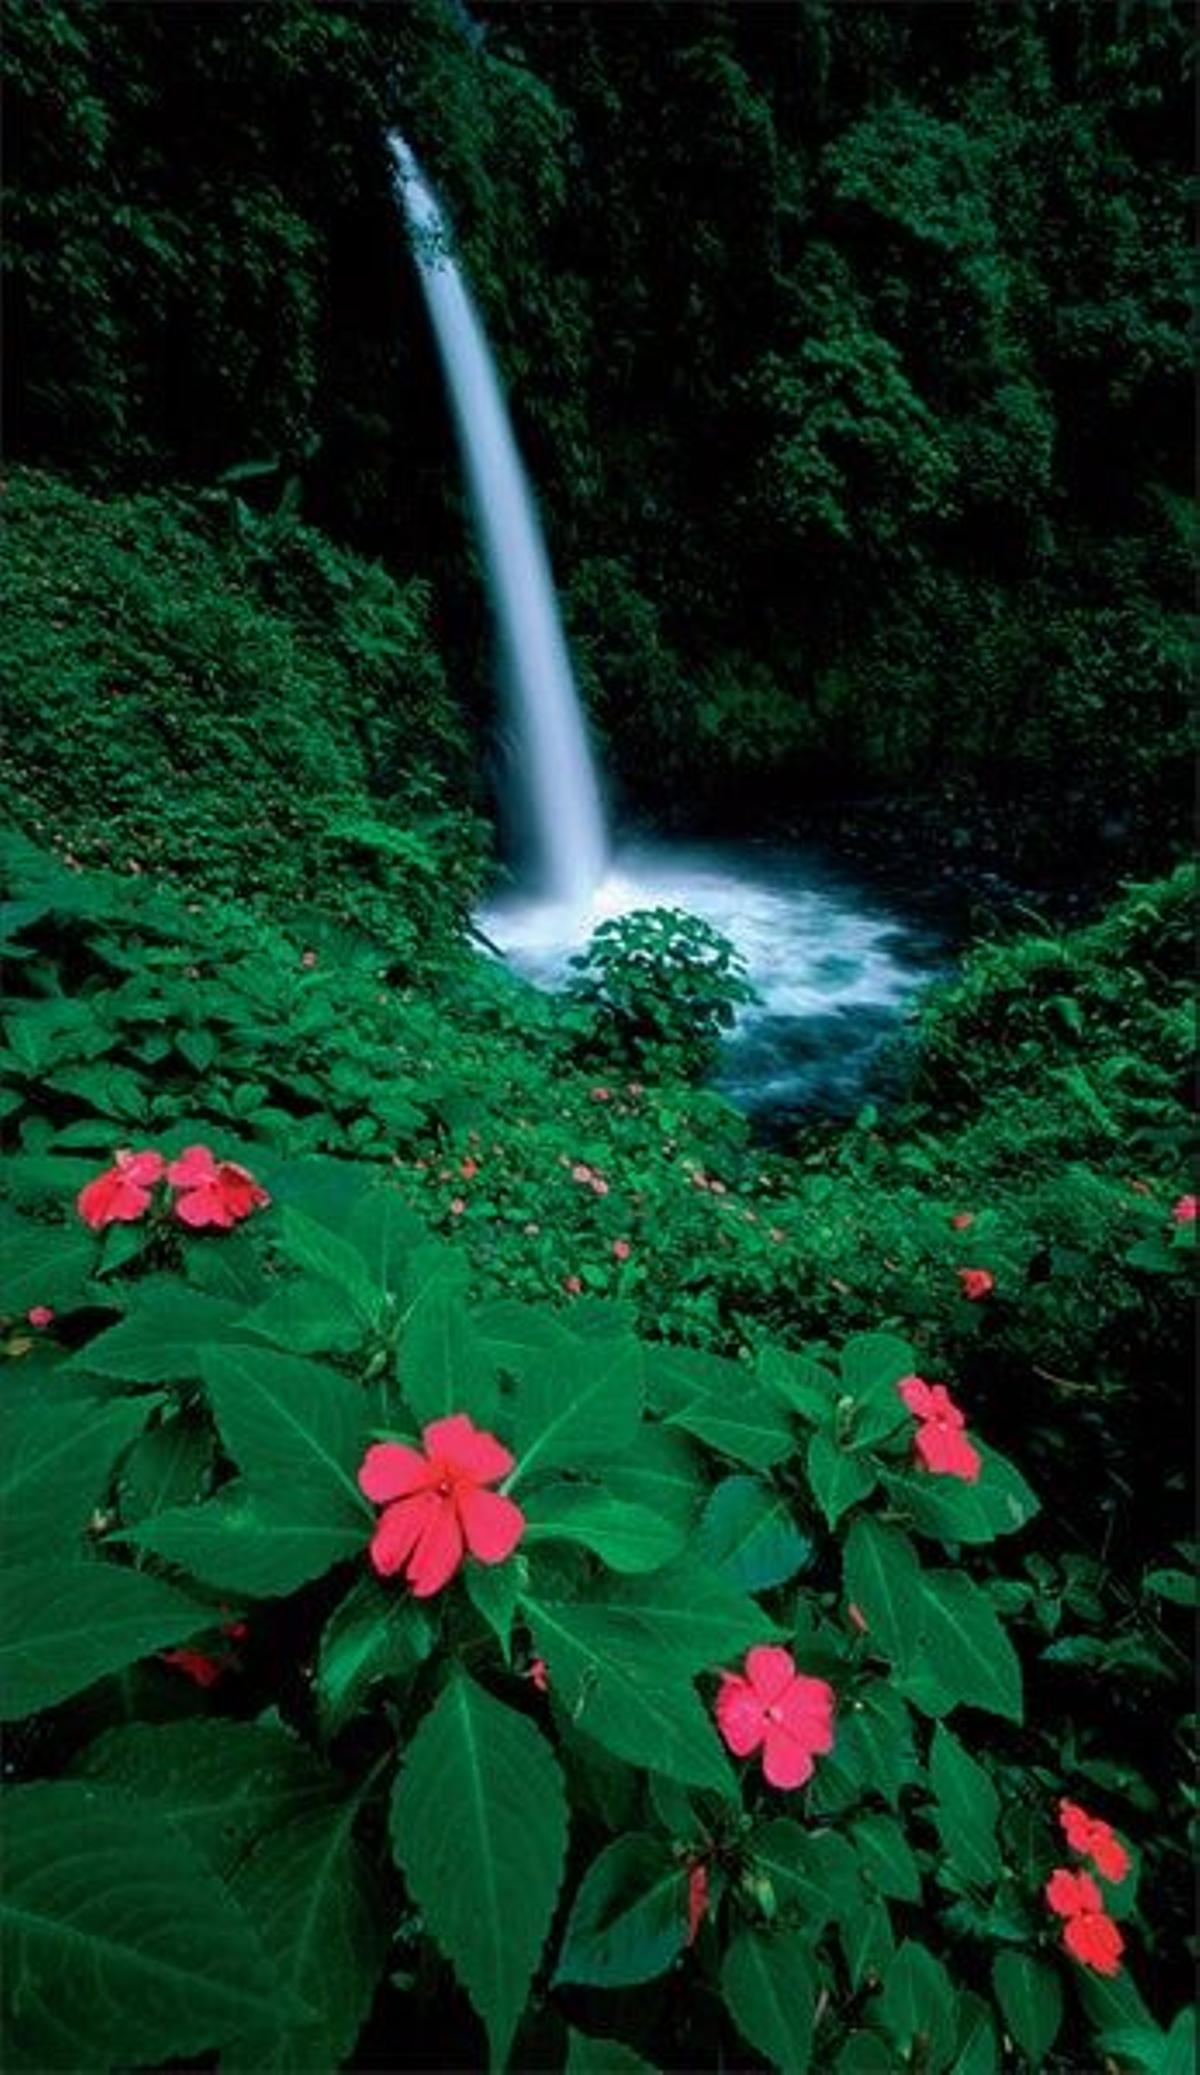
pixel 962 1220
pixel 697 1898
pixel 201 1670
pixel 601 1094
pixel 940 1441
pixel 1184 1212
pixel 121 1194
pixel 213 1192
pixel 777 1707
pixel 976 1282
pixel 539 1675
pixel 436 1507
pixel 469 1169
pixel 573 1285
pixel 621 1249
pixel 1088 1934
pixel 1095 1839
pixel 40 1315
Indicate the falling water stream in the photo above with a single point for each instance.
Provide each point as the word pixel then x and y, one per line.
pixel 832 967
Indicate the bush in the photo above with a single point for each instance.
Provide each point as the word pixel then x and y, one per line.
pixel 665 985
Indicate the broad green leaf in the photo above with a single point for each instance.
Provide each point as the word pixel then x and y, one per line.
pixel 636 1701
pixel 875 1742
pixel 686 1611
pixel 385 1233
pixel 494 1590
pixel 314 1899
pixel 629 1919
pixel 45 1264
pixel 306 1317
pixel 886 1858
pixel 867 1941
pixel 808 1388
pixel 965 1646
pixel 64 1625
pixel 950 1509
pixel 872 1364
pixel 58 1462
pixel 770 1991
pixel 120 1946
pixel 881 1574
pixel 967 1809
pixel 588 2056
pixel 566 1415
pixel 441 1367
pixel 1030 1997
pixel 298 1424
pixel 262 1543
pixel 169 1465
pixel 1179 2053
pixel 161 1339
pixel 812 1874
pixel 1180 1587
pixel 375 1634
pixel 864 2053
pixel 838 1479
pixel 721 1402
pixel 748 1534
pixel 918 2005
pixel 517 1334
pixel 976 2048
pixel 314 1247
pixel 222 1783
pixel 482 1776
pixel 662 1473
pixel 627 1537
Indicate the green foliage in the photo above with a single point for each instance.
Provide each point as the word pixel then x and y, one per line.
pixel 663 986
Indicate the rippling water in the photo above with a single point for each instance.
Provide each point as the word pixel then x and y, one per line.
pixel 835 966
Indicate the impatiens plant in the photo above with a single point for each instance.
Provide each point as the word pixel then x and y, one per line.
pixel 522 1584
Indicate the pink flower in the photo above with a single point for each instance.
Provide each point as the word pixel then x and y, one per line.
pixel 469 1169
pixel 121 1194
pixel 962 1220
pixel 939 1441
pixel 213 1192
pixel 778 1708
pixel 1184 1212
pixel 697 1898
pixel 976 1282
pixel 457 1206
pixel 539 1675
pixel 1089 1935
pixel 308 959
pixel 436 1507
pixel 581 1172
pixel 573 1285
pixel 599 1185
pixel 40 1315
pixel 1095 1839
pixel 601 1094
pixel 621 1249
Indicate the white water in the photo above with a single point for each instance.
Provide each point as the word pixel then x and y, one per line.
pixel 561 816
pixel 834 969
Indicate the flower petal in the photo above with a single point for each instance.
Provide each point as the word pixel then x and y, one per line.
pixel 806 1711
pixel 460 1443
pixel 947 1451
pixel 398 1531
pixel 195 1164
pixel 439 1552
pixel 917 1395
pixel 1070 1894
pixel 143 1168
pixel 492 1524
pixel 390 1471
pixel 739 1715
pixel 1094 1940
pixel 787 1759
pixel 1109 1855
pixel 770 1670
pixel 203 1206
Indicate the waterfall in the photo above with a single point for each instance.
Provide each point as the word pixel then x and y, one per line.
pixel 559 809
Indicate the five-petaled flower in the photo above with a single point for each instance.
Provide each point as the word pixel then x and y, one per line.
pixel 777 1708
pixel 1089 1935
pixel 435 1505
pixel 940 1441
pixel 213 1192
pixel 1094 1839
pixel 121 1194
pixel 976 1282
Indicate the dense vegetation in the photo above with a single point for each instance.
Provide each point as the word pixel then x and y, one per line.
pixel 904 504
pixel 845 344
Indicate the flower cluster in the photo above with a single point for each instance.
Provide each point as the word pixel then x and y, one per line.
pixel 209 1192
pixel 940 1441
pixel 1089 1933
